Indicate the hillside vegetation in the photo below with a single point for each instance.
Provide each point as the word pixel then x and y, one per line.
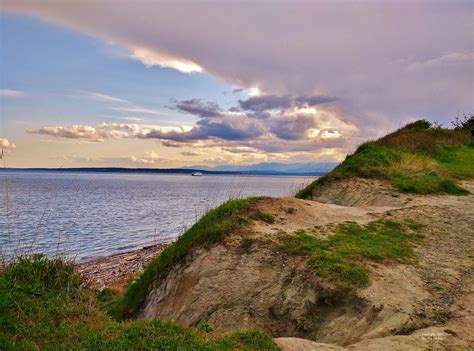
pixel 211 228
pixel 338 258
pixel 292 267
pixel 419 158
pixel 43 307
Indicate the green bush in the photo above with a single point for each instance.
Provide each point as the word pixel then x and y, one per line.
pixel 466 122
pixel 419 125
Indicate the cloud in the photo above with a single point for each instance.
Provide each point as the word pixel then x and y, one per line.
pixel 189 153
pixel 317 75
pixel 296 123
pixel 136 109
pixel 300 48
pixel 292 127
pixel 118 104
pixel 228 128
pixel 96 133
pixel 148 159
pixel 6 144
pixel 446 59
pixel 197 108
pixel 11 93
pixel 103 97
pixel 132 119
pixel 153 57
pixel 272 102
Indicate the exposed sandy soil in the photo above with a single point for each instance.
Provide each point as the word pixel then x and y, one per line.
pixel 425 305
pixel 358 192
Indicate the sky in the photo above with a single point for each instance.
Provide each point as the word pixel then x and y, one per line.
pixel 171 84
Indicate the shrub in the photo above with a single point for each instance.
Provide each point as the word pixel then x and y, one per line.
pixel 466 122
pixel 419 125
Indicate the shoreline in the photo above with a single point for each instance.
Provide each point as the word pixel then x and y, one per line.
pixel 116 271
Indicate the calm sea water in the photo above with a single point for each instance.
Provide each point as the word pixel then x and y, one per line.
pixel 89 215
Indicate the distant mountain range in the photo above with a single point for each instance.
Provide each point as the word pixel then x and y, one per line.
pixel 272 167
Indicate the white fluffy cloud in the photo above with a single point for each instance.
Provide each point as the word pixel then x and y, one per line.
pixel 103 131
pixel 96 133
pixel 6 144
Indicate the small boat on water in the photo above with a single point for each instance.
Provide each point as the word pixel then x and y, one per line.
pixel 196 174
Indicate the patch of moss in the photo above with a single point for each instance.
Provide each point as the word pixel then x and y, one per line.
pixel 339 257
pixel 43 307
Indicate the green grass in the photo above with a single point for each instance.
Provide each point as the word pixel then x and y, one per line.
pixel 43 307
pixel 457 162
pixel 211 228
pixel 340 257
pixel 415 159
pixel 424 184
pixel 262 216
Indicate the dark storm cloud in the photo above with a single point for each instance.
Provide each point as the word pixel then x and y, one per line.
pixel 292 127
pixel 227 127
pixel 250 119
pixel 196 107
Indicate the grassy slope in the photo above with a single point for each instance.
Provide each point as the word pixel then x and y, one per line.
pixel 211 228
pixel 340 257
pixel 42 306
pixel 415 159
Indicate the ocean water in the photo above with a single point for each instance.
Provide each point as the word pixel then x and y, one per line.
pixel 90 215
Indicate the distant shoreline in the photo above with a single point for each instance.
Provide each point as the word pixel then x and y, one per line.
pixel 162 171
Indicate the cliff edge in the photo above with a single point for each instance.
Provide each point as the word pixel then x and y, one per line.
pixel 375 255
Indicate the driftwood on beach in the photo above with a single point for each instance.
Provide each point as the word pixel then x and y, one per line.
pixel 116 271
